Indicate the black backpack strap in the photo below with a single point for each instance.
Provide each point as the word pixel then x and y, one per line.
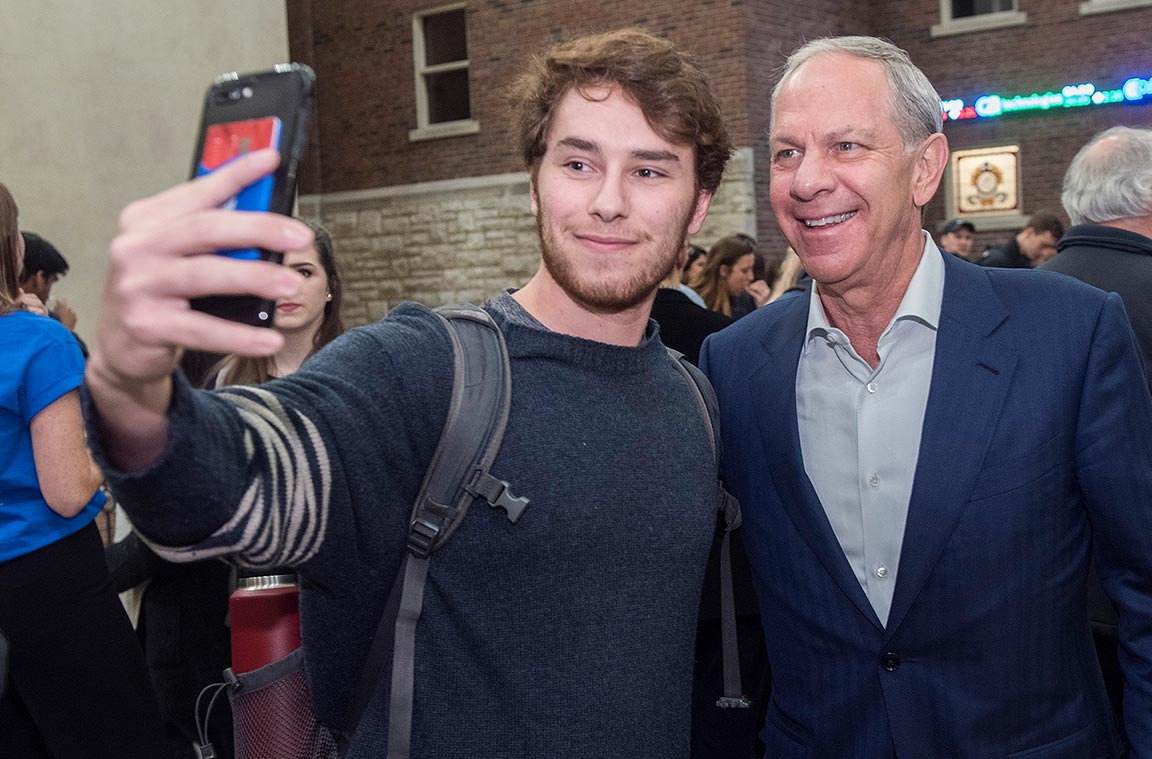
pixel 729 507
pixel 457 474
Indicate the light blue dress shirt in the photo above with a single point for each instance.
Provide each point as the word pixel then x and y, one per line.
pixel 860 427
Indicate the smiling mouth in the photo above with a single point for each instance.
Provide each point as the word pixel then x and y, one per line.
pixel 828 220
pixel 597 240
pixel 605 245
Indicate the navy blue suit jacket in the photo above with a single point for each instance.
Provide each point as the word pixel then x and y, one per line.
pixel 1036 449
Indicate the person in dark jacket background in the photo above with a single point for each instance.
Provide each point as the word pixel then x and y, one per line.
pixel 683 323
pixel 1032 245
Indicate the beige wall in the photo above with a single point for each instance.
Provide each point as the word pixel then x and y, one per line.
pixel 99 104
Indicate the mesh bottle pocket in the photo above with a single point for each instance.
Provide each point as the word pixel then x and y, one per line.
pixel 272 713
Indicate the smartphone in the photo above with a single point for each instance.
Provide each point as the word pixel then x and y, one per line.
pixel 244 113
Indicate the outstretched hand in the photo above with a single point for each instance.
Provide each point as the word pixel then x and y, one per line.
pixel 156 265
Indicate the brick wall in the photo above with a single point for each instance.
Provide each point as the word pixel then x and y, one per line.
pixel 1056 46
pixel 366 106
pixel 362 53
pixel 405 227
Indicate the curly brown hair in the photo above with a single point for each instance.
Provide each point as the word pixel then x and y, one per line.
pixel 668 85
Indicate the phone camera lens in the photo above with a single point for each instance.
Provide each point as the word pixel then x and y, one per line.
pixel 234 95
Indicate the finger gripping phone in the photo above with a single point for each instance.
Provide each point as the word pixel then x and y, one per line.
pixel 244 113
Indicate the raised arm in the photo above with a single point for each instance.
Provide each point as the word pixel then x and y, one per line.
pixel 154 268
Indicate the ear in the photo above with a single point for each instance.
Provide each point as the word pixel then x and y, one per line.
pixel 533 198
pixel 703 200
pixel 724 270
pixel 931 158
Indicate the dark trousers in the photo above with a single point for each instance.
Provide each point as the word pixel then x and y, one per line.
pixel 77 686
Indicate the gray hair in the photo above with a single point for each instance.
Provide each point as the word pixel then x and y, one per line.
pixel 1112 181
pixel 914 101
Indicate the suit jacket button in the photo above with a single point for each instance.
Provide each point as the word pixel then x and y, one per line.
pixel 890 662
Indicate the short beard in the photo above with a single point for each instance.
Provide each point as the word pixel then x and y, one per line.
pixel 607 296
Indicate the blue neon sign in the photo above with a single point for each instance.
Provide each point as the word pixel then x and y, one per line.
pixel 1085 94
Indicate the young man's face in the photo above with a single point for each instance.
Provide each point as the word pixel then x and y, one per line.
pixel 40 285
pixel 1037 246
pixel 845 190
pixel 613 201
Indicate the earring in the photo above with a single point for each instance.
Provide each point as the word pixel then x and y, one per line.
pixel 328 296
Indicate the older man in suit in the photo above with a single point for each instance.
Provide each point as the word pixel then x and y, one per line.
pixel 928 452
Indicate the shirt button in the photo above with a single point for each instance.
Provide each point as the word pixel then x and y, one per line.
pixel 874 480
pixel 890 662
pixel 872 388
pixel 881 571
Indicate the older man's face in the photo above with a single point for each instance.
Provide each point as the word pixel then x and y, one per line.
pixel 845 190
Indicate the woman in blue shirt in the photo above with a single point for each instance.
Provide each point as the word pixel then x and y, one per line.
pixel 76 681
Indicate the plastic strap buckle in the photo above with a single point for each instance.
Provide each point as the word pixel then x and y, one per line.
pixel 422 535
pixel 496 493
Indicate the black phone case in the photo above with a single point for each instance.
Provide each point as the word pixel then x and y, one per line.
pixel 285 92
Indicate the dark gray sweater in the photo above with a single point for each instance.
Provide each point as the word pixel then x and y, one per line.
pixel 568 634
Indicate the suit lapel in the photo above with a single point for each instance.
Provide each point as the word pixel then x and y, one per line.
pixel 971 373
pixel 773 388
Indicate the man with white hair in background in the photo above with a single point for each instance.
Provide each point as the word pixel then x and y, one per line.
pixel 1108 196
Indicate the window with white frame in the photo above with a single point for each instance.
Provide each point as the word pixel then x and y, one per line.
pixel 440 49
pixel 968 8
pixel 960 16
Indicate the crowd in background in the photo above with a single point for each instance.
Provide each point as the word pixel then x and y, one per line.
pixel 77 676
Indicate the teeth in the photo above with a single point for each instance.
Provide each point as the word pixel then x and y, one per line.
pixel 829 220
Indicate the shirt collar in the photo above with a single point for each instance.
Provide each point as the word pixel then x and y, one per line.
pixel 922 300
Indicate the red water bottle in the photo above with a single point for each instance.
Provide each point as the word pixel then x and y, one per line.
pixel 264 613
pixel 271 709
